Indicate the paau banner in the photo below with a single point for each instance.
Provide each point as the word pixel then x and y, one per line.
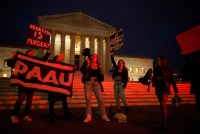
pixel 32 73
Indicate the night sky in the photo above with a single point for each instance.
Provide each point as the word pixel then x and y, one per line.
pixel 150 26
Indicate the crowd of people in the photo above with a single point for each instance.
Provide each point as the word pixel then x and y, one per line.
pixel 92 78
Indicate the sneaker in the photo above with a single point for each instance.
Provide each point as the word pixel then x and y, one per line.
pixel 105 118
pixel 88 118
pixel 14 119
pixel 27 118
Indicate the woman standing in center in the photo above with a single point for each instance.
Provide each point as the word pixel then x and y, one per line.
pixel 120 77
pixel 92 78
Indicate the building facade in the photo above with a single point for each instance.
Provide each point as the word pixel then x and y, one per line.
pixel 6 52
pixel 70 34
pixel 137 66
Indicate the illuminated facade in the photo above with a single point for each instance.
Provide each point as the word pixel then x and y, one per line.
pixel 70 34
pixel 6 52
pixel 137 66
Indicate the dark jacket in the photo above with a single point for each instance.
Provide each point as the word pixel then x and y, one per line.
pixel 124 72
pixel 162 79
pixel 86 77
pixel 145 80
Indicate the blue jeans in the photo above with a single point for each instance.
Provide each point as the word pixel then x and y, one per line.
pixel 89 87
pixel 119 93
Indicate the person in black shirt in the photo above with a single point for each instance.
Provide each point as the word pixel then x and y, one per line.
pixel 53 98
pixel 22 92
pixel 162 79
pixel 92 78
pixel 120 77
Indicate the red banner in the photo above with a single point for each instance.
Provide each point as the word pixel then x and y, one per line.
pixel 189 41
pixel 32 73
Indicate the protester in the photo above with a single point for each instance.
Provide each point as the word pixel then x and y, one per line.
pixel 120 77
pixel 23 91
pixel 162 79
pixel 146 79
pixel 192 73
pixel 54 97
pixel 92 78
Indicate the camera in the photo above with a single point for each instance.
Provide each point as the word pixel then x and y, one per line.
pixel 86 53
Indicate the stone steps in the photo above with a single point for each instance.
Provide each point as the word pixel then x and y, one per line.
pixel 136 94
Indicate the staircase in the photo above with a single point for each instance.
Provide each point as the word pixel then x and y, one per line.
pixel 136 94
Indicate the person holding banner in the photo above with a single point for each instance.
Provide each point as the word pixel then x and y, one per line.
pixel 23 91
pixel 53 97
pixel 92 78
pixel 162 79
pixel 120 77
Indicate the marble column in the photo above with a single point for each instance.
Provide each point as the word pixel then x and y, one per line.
pixel 82 46
pixel 100 52
pixel 107 56
pixel 92 44
pixel 72 48
pixel 52 51
pixel 62 47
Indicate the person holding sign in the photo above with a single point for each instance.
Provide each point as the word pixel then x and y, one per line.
pixel 23 91
pixel 92 78
pixel 120 77
pixel 53 97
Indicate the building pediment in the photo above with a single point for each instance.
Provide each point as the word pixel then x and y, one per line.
pixel 77 18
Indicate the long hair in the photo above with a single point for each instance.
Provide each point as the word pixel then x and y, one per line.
pixel 166 69
pixel 97 58
pixel 123 63
pixel 163 60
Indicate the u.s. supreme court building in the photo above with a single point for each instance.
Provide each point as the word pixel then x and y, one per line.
pixel 70 34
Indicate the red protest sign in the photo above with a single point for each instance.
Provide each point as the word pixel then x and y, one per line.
pixel 189 40
pixel 38 37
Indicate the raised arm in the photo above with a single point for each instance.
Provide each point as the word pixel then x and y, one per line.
pixel 46 56
pixel 112 59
